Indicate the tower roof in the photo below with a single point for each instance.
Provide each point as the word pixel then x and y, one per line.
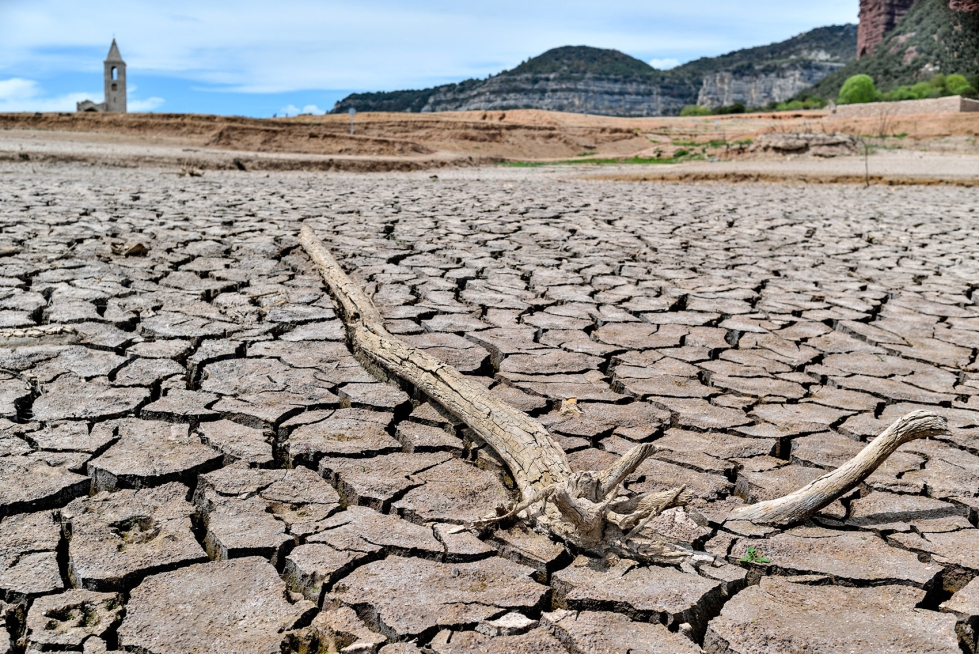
pixel 114 56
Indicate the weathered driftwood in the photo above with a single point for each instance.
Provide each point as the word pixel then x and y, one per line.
pixel 589 510
pixel 816 495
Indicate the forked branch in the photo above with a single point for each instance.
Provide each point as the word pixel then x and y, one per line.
pixel 589 510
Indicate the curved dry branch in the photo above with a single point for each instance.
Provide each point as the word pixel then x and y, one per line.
pixel 534 459
pixel 808 500
pixel 582 508
pixel 589 509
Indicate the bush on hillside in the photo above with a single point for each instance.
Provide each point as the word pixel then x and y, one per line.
pixel 695 110
pixel 797 105
pixel 938 86
pixel 959 85
pixel 736 108
pixel 859 89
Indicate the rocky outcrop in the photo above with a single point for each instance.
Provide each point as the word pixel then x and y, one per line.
pixel 818 145
pixel 903 42
pixel 590 95
pixel 757 89
pixel 877 18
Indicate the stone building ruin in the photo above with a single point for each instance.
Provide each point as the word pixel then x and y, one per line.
pixel 115 85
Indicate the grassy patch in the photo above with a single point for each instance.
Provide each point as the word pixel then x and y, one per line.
pixel 681 155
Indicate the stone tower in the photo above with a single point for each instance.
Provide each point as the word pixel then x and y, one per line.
pixel 115 81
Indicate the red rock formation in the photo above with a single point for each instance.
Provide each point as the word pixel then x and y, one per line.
pixel 964 5
pixel 878 17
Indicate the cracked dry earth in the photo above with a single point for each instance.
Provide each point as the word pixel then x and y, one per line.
pixel 191 460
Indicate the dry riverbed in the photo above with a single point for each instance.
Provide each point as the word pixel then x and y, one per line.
pixel 191 459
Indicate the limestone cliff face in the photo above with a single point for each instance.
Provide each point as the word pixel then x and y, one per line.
pixel 582 79
pixel 609 96
pixel 757 89
pixel 877 18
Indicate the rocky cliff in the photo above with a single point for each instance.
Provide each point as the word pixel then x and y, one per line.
pixel 580 79
pixel 757 89
pixel 587 94
pixel 877 18
pixel 933 36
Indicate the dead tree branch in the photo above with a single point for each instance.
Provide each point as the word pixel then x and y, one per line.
pixel 589 510
pixel 809 499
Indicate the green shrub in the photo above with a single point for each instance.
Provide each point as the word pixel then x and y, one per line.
pixel 958 84
pixel 736 108
pixel 937 87
pixel 859 89
pixel 900 93
pixel 799 105
pixel 924 90
pixel 695 110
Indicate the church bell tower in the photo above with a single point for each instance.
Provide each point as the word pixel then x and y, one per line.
pixel 115 81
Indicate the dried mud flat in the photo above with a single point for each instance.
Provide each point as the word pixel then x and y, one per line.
pixel 191 460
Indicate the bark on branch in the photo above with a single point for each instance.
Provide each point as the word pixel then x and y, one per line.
pixel 589 510
pixel 816 495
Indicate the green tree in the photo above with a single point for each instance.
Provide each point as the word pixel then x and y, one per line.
pixel 695 110
pixel 858 89
pixel 958 85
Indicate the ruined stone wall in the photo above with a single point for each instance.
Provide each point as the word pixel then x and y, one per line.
pixel 877 18
pixel 951 105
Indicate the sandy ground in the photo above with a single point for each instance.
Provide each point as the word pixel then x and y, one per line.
pixel 888 166
pixel 881 166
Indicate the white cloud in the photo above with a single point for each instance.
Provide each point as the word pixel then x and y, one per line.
pixel 148 104
pixel 293 110
pixel 19 94
pixel 664 64
pixel 294 45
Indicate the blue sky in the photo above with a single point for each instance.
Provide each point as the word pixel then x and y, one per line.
pixel 259 58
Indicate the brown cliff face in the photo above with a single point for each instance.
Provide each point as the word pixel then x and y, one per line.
pixel 877 18
pixel 964 5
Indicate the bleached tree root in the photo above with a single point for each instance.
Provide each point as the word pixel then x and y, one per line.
pixel 808 500
pixel 589 510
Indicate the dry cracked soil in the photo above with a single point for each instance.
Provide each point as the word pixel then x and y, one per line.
pixel 192 460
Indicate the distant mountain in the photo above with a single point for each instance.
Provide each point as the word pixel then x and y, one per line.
pixel 930 37
pixel 582 79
